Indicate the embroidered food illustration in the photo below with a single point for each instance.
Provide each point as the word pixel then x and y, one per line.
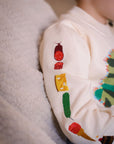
pixel 76 129
pixel 106 139
pixel 58 65
pixel 61 83
pixel 58 53
pixel 66 104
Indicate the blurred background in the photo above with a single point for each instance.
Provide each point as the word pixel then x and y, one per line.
pixel 61 6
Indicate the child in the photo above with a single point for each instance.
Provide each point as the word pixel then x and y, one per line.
pixel 77 60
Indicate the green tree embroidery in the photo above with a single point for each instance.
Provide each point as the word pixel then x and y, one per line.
pixel 105 94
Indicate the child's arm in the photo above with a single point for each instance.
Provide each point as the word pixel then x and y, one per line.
pixel 65 59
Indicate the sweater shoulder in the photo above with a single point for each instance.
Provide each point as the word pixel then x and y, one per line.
pixel 66 24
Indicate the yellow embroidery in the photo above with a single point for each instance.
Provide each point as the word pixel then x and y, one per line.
pixel 61 83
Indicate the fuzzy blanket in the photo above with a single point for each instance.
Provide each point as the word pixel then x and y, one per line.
pixel 25 114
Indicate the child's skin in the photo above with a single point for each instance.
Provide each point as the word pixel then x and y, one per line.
pixel 101 10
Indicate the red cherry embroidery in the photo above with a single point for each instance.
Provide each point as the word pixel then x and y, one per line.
pixel 58 53
pixel 58 65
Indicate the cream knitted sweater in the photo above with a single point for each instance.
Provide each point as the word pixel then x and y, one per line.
pixel 77 60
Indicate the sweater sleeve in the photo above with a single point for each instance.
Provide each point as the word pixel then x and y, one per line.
pixel 65 59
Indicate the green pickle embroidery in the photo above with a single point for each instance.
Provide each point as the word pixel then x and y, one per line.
pixel 66 104
pixel 105 94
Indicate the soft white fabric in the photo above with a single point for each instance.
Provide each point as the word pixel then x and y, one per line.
pixel 25 114
pixel 86 43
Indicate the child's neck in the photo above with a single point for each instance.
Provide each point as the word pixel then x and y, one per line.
pixel 93 12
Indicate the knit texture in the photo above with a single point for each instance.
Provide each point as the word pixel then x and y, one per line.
pixel 25 114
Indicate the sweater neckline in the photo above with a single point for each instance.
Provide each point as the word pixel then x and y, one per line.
pixel 82 16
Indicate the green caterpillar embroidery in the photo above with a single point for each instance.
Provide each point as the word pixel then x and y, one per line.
pixel 105 94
